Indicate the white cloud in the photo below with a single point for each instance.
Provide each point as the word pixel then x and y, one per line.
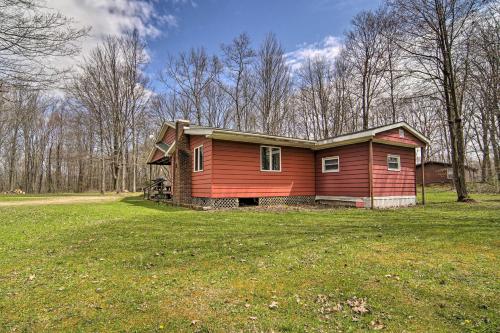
pixel 328 48
pixel 113 17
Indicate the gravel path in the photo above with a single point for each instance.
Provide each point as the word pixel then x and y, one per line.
pixel 61 200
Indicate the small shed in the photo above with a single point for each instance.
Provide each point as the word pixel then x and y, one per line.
pixel 437 172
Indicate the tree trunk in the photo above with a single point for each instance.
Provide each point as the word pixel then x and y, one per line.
pixel 454 120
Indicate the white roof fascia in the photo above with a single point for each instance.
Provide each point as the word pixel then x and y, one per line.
pixel 336 143
pixel 151 154
pixel 303 143
pixel 171 149
pixel 406 127
pixel 261 139
pixel 373 132
pixel 198 131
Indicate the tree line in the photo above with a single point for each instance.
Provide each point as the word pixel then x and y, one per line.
pixel 433 64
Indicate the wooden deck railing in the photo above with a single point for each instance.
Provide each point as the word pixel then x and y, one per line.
pixel 158 190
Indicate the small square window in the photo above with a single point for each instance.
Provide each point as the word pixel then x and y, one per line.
pixel 393 163
pixel 401 133
pixel 331 164
pixel 198 159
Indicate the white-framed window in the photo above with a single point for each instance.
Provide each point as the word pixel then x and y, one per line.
pixel 449 173
pixel 401 133
pixel 198 159
pixel 393 163
pixel 270 158
pixel 330 164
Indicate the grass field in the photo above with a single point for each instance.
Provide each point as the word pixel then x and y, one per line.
pixel 136 266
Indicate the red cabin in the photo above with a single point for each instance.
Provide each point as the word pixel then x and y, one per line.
pixel 214 167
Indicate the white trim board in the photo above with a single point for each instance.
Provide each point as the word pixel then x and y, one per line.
pixel 379 202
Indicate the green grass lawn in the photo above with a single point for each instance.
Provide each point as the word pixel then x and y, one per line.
pixel 137 266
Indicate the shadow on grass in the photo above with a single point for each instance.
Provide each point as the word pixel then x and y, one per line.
pixel 139 201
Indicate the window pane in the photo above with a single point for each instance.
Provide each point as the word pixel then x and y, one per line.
pixel 196 159
pixel 264 158
pixel 331 164
pixel 276 158
pixel 393 162
pixel 200 158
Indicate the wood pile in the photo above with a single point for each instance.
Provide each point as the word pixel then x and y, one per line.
pixel 16 191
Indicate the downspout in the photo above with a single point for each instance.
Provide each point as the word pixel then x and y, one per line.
pixel 370 170
pixel 422 162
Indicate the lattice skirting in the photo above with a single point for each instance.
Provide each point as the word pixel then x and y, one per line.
pixel 291 200
pixel 216 203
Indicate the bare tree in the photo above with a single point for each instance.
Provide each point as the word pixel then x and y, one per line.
pixel 315 88
pixel 30 37
pixel 273 85
pixel 485 87
pixel 111 87
pixel 238 58
pixel 366 49
pixel 189 75
pixel 437 35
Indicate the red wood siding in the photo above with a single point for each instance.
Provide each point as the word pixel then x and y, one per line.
pixel 352 180
pixel 393 183
pixel 437 173
pixel 236 172
pixel 169 136
pixel 157 155
pixel 434 174
pixel 393 135
pixel 201 181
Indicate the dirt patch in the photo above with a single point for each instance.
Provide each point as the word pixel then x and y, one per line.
pixel 61 200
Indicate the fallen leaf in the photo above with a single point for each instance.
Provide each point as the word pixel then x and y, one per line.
pixel 321 299
pixel 358 305
pixel 338 307
pixel 273 305
pixel 377 325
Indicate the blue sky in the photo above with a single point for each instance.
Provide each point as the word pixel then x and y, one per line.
pixel 298 24
pixel 304 27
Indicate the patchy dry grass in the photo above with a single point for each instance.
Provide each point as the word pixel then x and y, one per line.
pixel 138 266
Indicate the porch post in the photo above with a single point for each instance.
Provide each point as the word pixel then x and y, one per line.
pixel 422 163
pixel 370 171
pixel 150 179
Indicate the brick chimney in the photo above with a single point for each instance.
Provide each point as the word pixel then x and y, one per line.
pixel 183 165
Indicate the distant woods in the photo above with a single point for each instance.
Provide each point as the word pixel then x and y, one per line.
pixel 432 64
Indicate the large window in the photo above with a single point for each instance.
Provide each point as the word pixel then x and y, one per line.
pixel 331 164
pixel 270 158
pixel 393 163
pixel 198 159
